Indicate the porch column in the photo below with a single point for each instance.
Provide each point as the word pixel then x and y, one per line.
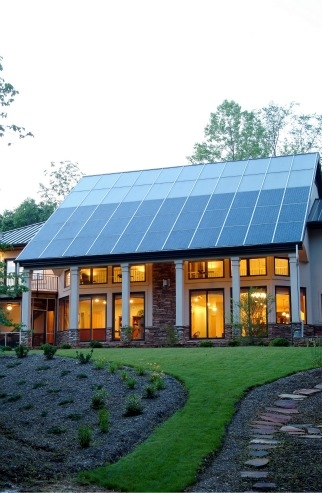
pixel 74 298
pixel 235 274
pixel 295 288
pixel 125 294
pixel 179 293
pixel 26 301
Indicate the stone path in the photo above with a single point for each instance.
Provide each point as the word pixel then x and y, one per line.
pixel 267 431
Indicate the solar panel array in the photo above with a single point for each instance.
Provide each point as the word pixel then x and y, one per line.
pixel 227 204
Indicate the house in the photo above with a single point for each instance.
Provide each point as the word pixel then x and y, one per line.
pixel 179 247
pixel 43 294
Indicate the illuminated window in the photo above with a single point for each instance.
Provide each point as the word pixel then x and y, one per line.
pixel 303 305
pixel 206 269
pixel 137 273
pixel 67 278
pixel 253 311
pixel 207 313
pixel 283 304
pixel 93 275
pixel 281 266
pixel 63 314
pixel 92 318
pixel 252 267
pixel 137 320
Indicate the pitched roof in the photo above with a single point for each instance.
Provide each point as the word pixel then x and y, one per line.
pixel 173 210
pixel 20 236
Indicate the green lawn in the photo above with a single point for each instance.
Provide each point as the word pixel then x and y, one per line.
pixel 216 378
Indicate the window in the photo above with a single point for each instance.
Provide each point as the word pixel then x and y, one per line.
pixel 92 318
pixel 206 269
pixel 67 278
pixel 64 314
pixel 93 275
pixel 137 320
pixel 137 273
pixel 283 304
pixel 252 267
pixel 37 274
pixel 281 266
pixel 253 311
pixel 207 313
pixel 10 272
pixel 303 305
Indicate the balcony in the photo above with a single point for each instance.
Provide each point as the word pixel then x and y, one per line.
pixel 41 282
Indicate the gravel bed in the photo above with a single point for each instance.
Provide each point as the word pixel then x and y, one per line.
pixel 44 402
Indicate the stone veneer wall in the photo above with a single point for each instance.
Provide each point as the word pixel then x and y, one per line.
pixel 163 298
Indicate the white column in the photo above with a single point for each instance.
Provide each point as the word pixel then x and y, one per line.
pixel 125 294
pixel 235 274
pixel 26 301
pixel 179 292
pixel 74 298
pixel 295 288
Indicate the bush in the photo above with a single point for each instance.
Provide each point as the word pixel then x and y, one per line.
pixel 49 350
pixel 84 358
pixel 150 391
pixel 6 348
pixel 84 436
pixel 104 419
pixel 96 344
pixel 279 341
pixel 206 344
pixel 133 405
pixel 99 399
pixel 65 345
pixel 233 342
pixel 21 351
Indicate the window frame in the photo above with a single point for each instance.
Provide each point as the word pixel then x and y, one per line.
pixel 248 270
pixel 192 293
pixel 117 273
pixel 91 276
pixel 204 272
pixel 288 267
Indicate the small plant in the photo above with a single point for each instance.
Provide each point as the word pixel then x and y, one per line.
pixel 140 370
pixel 133 405
pixel 84 436
pixel 172 336
pixel 21 382
pixel 104 419
pixel 63 373
pixel 43 414
pixel 43 367
pixel 53 391
pixel 38 385
pixel 83 359
pixel 131 383
pixel 27 407
pixel 3 395
pixel 6 348
pixel 74 416
pixel 12 365
pixel 150 391
pixel 81 375
pixel 279 341
pixel 127 334
pixel 14 397
pixel 99 399
pixel 21 351
pixel 113 366
pixel 206 344
pixel 65 345
pixel 95 344
pixel 99 364
pixel 124 375
pixel 49 350
pixel 157 380
pixel 64 402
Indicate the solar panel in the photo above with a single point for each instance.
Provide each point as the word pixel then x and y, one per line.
pixel 214 205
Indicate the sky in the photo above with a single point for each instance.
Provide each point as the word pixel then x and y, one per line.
pixel 118 85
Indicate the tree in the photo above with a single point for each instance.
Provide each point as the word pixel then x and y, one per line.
pixel 234 134
pixel 28 212
pixel 7 97
pixel 63 176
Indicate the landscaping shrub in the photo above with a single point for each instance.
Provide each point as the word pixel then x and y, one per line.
pixel 279 341
pixel 206 344
pixel 133 405
pixel 104 419
pixel 21 351
pixel 83 359
pixel 233 342
pixel 96 344
pixel 84 436
pixel 49 350
pixel 99 399
pixel 65 345
pixel 6 348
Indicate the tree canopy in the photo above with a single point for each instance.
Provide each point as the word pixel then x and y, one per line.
pixel 7 97
pixel 233 133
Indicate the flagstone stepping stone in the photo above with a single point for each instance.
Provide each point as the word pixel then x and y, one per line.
pixel 259 446
pixel 263 485
pixel 267 423
pixel 267 441
pixel 313 431
pixel 258 453
pixel 262 430
pixel 307 391
pixel 282 411
pixel 286 404
pixel 264 437
pixel 318 386
pixel 292 396
pixel 276 418
pixel 291 428
pixel 311 436
pixel 257 462
pixel 254 474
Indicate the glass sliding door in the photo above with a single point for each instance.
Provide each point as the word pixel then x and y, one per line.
pixel 207 313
